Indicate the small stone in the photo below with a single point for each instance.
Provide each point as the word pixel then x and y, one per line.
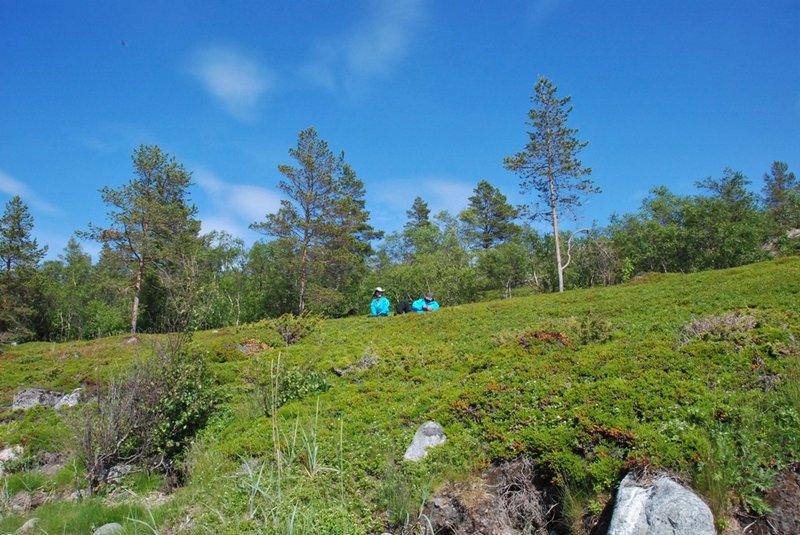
pixel 28 528
pixel 108 529
pixel 69 400
pixel 118 471
pixel 429 435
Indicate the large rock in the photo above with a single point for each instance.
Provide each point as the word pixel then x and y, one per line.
pixel 659 506
pixel 31 397
pixel 429 435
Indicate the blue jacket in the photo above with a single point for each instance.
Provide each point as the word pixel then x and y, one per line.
pixel 419 303
pixel 379 306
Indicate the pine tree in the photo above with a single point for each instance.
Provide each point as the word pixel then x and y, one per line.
pixel 489 218
pixel 20 255
pixel 549 164
pixel 323 221
pixel 418 215
pixel 152 220
pixel 782 196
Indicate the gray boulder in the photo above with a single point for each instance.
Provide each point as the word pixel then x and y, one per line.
pixel 108 529
pixel 31 397
pixel 659 506
pixel 429 435
pixel 69 400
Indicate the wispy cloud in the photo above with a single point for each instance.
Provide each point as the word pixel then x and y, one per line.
pixel 11 186
pixel 370 48
pixel 440 192
pixel 539 10
pixel 235 79
pixel 233 207
pixel 114 137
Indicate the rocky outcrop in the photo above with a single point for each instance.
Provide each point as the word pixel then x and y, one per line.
pixel 31 397
pixel 429 435
pixel 659 506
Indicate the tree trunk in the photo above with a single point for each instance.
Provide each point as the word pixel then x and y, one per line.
pixel 554 214
pixel 137 290
pixel 303 277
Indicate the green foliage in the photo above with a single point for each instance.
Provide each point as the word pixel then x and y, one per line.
pixel 81 517
pixel 185 400
pixel 594 329
pixel 274 385
pixel 670 233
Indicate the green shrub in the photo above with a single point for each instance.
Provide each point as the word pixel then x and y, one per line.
pixel 148 415
pixel 594 329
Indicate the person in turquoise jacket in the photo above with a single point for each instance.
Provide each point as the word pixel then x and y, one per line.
pixel 425 304
pixel 380 304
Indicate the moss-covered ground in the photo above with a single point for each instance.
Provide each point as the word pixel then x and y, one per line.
pixel 696 374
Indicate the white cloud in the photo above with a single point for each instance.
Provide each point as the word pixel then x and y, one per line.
pixel 440 192
pixel 370 48
pixel 540 10
pixel 233 207
pixel 11 186
pixel 235 79
pixel 114 137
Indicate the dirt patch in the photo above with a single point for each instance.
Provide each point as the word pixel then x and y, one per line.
pixel 531 338
pixel 252 346
pixel 506 499
pixel 784 498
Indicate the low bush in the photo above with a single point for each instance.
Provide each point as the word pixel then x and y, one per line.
pixel 293 328
pixel 274 386
pixel 148 415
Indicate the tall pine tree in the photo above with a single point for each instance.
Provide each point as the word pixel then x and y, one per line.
pixel 549 164
pixel 323 221
pixel 151 219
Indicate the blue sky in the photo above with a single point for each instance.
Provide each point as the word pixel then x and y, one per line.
pixel 424 97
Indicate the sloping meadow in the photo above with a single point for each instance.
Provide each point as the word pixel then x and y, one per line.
pixel 696 375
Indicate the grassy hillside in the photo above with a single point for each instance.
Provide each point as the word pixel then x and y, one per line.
pixel 695 374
